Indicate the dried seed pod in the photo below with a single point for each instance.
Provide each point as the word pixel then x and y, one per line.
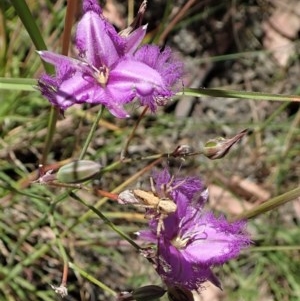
pixel 219 147
pixel 78 171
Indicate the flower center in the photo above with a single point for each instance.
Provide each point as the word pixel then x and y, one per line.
pixel 180 242
pixel 188 236
pixel 101 76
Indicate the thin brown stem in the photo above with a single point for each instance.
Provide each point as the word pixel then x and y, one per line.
pixel 175 20
pixel 131 136
pixel 70 16
pixel 65 274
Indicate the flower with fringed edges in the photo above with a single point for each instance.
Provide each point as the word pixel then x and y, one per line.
pixel 192 240
pixel 110 69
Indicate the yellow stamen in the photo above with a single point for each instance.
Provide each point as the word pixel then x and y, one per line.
pixel 102 76
pixel 179 243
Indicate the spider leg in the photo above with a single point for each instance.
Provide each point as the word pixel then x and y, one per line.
pixel 152 185
pixel 160 223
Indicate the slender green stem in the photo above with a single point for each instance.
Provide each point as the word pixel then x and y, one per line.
pixel 57 237
pixel 131 136
pixel 50 133
pixel 91 133
pixel 39 251
pixel 114 165
pixel 22 84
pixel 118 189
pixel 274 248
pixel 92 279
pixel 163 22
pixel 36 225
pixel 238 94
pixel 273 115
pixel 71 5
pixel 28 21
pixel 270 204
pixel 106 220
pixel 21 240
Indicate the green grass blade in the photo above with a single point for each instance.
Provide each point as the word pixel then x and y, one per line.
pixel 238 94
pixel 270 204
pixel 92 279
pixel 19 84
pixel 28 21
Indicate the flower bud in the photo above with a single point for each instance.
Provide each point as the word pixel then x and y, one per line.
pixel 148 292
pixel 176 293
pixel 219 147
pixel 78 171
pixel 125 296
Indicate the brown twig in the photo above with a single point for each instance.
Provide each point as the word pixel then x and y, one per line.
pixel 175 20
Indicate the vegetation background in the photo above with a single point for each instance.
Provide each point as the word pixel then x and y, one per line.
pixel 236 45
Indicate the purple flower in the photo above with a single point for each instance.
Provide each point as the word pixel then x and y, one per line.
pixel 192 240
pixel 109 70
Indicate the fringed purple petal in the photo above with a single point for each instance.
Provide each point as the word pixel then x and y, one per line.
pixel 91 5
pixel 76 90
pixel 134 40
pixel 130 76
pixel 218 240
pixel 161 179
pixel 143 79
pixel 61 62
pixel 176 269
pixel 147 235
pixel 94 42
pixel 169 68
pixel 192 241
pixel 109 70
pixel 48 86
pixel 117 110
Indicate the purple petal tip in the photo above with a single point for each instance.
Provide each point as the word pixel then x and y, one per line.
pixel 91 5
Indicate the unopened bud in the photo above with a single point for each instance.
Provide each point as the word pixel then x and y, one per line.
pixel 148 292
pixel 176 293
pixel 136 23
pixel 125 296
pixel 78 171
pixel 145 293
pixel 219 147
